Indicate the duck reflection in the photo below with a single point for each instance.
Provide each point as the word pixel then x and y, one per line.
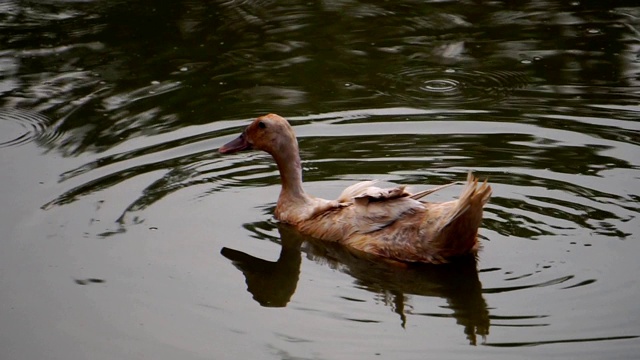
pixel 273 283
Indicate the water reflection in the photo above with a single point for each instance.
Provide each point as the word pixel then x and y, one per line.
pixel 548 194
pixel 124 101
pixel 109 71
pixel 273 284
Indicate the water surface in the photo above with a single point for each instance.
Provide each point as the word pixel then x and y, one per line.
pixel 126 235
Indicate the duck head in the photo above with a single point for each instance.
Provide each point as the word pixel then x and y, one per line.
pixel 271 133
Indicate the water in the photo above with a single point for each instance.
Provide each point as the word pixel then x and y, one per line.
pixel 125 235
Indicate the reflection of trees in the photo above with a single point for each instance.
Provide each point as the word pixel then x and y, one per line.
pixel 274 283
pixel 112 70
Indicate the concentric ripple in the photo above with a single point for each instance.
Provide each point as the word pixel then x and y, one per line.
pixel 454 86
pixel 19 126
pixel 440 86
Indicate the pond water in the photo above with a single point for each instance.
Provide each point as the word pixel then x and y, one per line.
pixel 125 235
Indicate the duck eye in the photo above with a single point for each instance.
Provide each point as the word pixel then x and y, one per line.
pixel 262 125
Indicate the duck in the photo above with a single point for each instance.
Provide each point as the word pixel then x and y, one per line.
pixel 391 223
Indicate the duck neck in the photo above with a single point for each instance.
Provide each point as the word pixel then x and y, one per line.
pixel 290 172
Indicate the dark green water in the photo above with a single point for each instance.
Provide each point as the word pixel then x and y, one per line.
pixel 125 235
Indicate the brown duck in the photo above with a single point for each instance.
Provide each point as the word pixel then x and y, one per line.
pixel 391 222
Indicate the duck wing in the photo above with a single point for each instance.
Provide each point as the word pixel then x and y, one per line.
pixel 374 208
pixel 354 190
pixel 367 188
pixel 363 208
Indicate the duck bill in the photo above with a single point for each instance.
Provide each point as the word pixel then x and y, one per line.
pixel 238 144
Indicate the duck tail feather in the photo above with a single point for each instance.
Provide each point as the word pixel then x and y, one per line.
pixel 424 193
pixel 460 226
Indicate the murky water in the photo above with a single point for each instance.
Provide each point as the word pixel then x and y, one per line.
pixel 126 235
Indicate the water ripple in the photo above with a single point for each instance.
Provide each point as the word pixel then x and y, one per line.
pixel 453 86
pixel 19 126
pixel 559 280
pixel 561 341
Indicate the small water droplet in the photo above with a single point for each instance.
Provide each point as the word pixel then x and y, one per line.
pixel 348 84
pixel 153 228
pixel 525 61
pixel 184 68
pixel 450 70
pixel 593 31
pixel 155 82
pixel 537 58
